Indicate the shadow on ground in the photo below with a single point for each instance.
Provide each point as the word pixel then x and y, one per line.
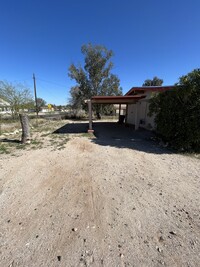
pixel 5 140
pixel 116 135
pixel 73 128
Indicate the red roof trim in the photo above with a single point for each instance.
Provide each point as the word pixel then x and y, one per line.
pixel 117 97
pixel 150 88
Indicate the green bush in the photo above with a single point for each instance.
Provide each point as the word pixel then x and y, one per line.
pixel 178 113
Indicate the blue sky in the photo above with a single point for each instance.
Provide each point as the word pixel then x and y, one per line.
pixel 149 38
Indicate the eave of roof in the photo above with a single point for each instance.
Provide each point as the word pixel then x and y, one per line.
pixel 150 88
pixel 115 99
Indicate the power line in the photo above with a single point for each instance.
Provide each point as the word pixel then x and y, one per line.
pixel 64 86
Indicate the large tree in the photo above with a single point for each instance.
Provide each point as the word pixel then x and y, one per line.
pixel 76 99
pixel 17 95
pixel 178 112
pixel 95 78
pixel 154 82
pixel 41 103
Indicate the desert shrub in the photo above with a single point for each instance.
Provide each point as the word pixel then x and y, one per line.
pixel 178 113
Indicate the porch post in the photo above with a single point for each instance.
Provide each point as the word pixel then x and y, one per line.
pixel 90 130
pixel 136 117
pixel 126 115
pixel 119 111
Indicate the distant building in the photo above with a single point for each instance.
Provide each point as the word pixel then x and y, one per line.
pixel 121 110
pixel 5 107
pixel 47 108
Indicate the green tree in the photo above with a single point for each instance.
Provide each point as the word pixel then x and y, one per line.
pixel 76 98
pixel 95 78
pixel 178 112
pixel 17 95
pixel 154 82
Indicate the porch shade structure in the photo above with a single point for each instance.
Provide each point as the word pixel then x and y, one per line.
pixel 110 100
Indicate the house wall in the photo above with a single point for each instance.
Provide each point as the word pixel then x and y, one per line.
pixel 143 120
pixel 131 114
pixel 142 110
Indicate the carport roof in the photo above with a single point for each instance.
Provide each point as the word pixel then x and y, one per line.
pixel 116 99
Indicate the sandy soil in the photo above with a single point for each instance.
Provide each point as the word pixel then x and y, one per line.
pixel 100 202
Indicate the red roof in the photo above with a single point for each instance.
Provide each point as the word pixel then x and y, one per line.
pixel 116 99
pixel 149 88
pixel 130 96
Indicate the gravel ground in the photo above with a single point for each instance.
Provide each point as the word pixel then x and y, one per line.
pixel 115 200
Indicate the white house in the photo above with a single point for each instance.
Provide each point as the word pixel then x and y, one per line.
pixel 137 113
pixel 4 107
pixel 137 105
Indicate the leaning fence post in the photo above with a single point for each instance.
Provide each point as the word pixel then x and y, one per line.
pixel 25 128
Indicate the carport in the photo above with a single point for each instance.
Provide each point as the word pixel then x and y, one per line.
pixel 112 100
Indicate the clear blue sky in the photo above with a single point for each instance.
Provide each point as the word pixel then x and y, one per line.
pixel 149 38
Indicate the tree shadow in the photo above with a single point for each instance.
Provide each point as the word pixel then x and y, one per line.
pixel 73 128
pixel 123 136
pixel 5 140
pixel 119 136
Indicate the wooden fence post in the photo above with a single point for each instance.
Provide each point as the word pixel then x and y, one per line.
pixel 25 128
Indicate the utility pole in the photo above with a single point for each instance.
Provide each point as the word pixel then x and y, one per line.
pixel 35 92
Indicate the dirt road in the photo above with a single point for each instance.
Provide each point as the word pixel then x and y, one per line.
pixel 93 204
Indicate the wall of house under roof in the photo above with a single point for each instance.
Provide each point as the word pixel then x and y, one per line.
pixel 143 120
pixel 131 114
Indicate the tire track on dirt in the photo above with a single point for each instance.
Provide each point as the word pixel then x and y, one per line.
pixel 93 200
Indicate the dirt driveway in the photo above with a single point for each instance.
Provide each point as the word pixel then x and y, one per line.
pixel 100 202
